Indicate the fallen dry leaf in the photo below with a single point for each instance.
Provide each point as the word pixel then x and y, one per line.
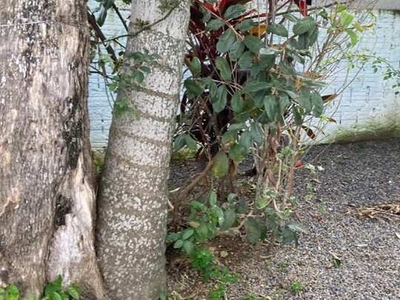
pixel 380 211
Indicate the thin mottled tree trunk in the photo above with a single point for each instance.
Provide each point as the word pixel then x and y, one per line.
pixel 46 190
pixel 133 197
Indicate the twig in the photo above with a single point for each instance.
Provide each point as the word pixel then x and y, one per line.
pixel 101 36
pixel 196 180
pixel 120 17
pixel 314 8
pixel 146 27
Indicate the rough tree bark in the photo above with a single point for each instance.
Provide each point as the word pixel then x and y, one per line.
pixel 132 205
pixel 46 190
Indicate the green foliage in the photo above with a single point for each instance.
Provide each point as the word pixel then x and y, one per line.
pixel 247 92
pixel 104 6
pixel 129 77
pixel 296 287
pixel 206 218
pixel 219 292
pixel 52 291
pixel 11 292
pixel 258 82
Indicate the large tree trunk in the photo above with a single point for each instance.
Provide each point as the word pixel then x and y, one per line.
pixel 133 199
pixel 46 190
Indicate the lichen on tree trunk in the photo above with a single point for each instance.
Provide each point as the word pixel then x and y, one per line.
pixel 46 190
pixel 133 195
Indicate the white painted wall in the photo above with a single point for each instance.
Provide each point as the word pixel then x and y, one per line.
pixel 100 104
pixel 368 105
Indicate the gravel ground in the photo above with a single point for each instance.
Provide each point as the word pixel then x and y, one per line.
pixel 342 256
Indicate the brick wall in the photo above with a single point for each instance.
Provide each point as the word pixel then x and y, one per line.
pixel 368 106
pixel 100 100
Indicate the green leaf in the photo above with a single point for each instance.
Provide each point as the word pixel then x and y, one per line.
pixel 179 142
pixel 229 137
pixel 193 87
pixel 226 41
pixel 178 244
pixel 253 43
pixel 245 140
pixel 55 296
pixel 145 69
pixel 221 165
pixel 245 25
pixel 187 233
pixel 236 50
pixel 190 142
pixel 271 107
pixel 52 287
pixel 188 247
pixel 212 86
pixel 296 227
pixel 101 18
pixel 172 237
pixel 288 236
pixel 291 18
pixel 139 76
pixel 353 36
pixel 254 86
pixel 257 133
pixel 305 100
pixel 194 224
pixel 313 36
pixel 219 102
pixel 278 29
pixel 253 230
pixel 267 60
pixel 245 60
pixel 213 198
pixel 184 140
pixel 317 104
pixel 291 94
pixel 202 232
pixel 346 18
pixel 229 219
pixel 223 68
pixel 242 207
pixel 284 102
pixel 218 212
pixel 255 69
pixel 12 293
pixel 214 24
pixel 196 205
pixel 359 27
pixel 231 197
pixel 298 116
pixel 303 41
pixel 73 291
pixel 195 66
pixel 304 25
pixel 237 153
pixel 237 102
pixel 234 11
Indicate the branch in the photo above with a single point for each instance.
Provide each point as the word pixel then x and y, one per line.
pixel 147 27
pixel 120 16
pixel 196 180
pixel 101 36
pixel 314 8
